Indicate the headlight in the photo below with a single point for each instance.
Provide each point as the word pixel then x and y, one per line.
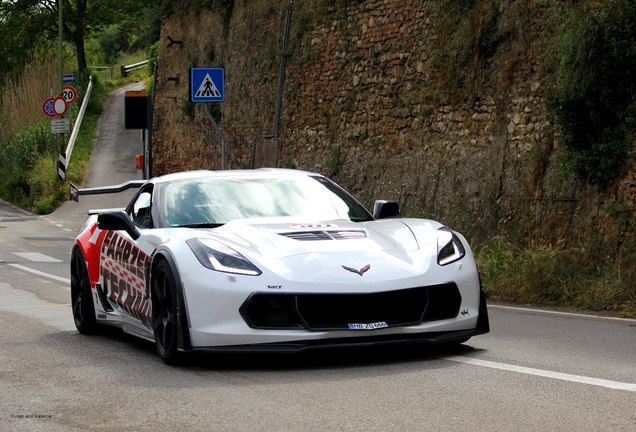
pixel 449 247
pixel 216 256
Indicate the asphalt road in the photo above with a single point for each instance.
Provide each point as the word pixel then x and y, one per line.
pixel 535 371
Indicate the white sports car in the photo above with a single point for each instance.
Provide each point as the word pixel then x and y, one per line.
pixel 270 260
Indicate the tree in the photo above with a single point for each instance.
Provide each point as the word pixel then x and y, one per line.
pixel 81 19
pixel 19 42
pixel 593 92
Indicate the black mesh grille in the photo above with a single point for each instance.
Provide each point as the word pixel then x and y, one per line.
pixel 338 311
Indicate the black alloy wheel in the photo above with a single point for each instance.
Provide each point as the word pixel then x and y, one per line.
pixel 81 296
pixel 164 313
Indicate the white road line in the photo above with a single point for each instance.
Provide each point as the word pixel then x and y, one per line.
pixel 37 257
pixel 550 312
pixel 615 385
pixel 40 273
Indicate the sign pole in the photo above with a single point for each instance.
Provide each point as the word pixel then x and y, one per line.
pixel 208 85
pixel 60 69
pixel 219 132
pixel 61 170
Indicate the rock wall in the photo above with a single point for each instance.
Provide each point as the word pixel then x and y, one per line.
pixel 360 104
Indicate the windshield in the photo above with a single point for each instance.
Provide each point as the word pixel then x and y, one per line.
pixel 216 201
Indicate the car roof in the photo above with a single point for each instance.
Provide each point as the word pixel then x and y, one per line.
pixel 230 174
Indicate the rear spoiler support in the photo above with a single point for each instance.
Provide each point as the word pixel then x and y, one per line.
pixel 75 192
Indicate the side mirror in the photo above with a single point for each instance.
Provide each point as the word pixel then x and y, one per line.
pixel 384 209
pixel 117 221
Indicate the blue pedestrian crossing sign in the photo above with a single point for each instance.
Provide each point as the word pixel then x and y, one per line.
pixel 207 85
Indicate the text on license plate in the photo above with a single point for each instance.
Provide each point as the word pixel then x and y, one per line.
pixel 368 326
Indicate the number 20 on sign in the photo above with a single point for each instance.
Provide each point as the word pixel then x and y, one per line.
pixel 69 94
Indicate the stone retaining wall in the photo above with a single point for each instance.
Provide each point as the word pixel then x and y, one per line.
pixel 359 104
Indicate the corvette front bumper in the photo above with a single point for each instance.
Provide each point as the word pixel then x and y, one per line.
pixel 297 346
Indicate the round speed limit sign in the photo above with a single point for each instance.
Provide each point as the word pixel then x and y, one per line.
pixel 69 94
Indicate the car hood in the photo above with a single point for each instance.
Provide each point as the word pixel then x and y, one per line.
pixel 276 239
pixel 393 248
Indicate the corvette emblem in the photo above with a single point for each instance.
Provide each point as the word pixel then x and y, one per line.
pixel 362 271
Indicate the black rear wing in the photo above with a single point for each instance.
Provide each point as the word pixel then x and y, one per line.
pixel 75 192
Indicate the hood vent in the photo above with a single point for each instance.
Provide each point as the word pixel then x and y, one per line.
pixel 326 235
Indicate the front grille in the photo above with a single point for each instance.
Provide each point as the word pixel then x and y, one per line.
pixel 325 235
pixel 336 311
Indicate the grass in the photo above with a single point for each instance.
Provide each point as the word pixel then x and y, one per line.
pixel 22 97
pixel 28 150
pixel 29 165
pixel 577 278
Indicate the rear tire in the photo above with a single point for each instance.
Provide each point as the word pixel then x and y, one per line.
pixel 81 295
pixel 164 313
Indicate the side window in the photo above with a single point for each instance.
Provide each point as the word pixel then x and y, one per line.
pixel 140 212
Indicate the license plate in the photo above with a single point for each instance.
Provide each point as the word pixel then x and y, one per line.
pixel 368 326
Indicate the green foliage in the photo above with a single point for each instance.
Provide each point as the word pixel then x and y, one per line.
pixel 18 46
pixel 112 40
pixel 28 161
pixel 19 155
pixel 98 96
pixel 302 24
pixel 593 277
pixel 153 53
pixel 28 28
pixel 188 108
pixel 335 161
pixel 470 35
pixel 592 96
pixel 215 112
pixel 196 6
pixel 44 186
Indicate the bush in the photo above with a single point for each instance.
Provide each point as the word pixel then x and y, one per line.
pixel 470 34
pixel 153 52
pixel 18 155
pixel 591 277
pixel 592 97
pixel 45 188
pixel 113 40
pixel 28 161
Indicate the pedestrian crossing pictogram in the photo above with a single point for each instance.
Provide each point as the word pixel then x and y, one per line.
pixel 207 88
pixel 207 84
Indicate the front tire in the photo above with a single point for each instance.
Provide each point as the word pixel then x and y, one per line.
pixel 164 313
pixel 81 295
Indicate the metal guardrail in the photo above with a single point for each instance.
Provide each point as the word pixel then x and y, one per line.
pixel 132 67
pixel 78 123
pixel 102 69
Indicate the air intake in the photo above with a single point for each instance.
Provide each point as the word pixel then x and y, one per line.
pixel 326 235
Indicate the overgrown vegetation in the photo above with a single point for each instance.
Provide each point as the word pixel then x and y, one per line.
pixel 335 161
pixel 592 97
pixel 28 158
pixel 590 48
pixel 114 34
pixel 29 29
pixel 470 33
pixel 196 6
pixel 590 63
pixel 310 13
pixel 597 279
pixel 29 154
